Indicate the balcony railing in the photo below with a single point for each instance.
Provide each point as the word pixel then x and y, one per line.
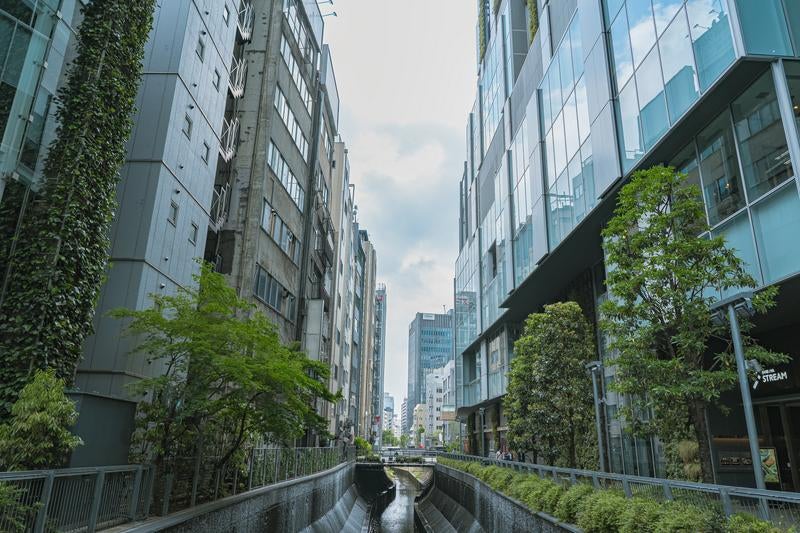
pixel 245 21
pixel 230 132
pixel 219 203
pixel 237 77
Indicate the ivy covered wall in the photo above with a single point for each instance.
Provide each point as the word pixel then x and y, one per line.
pixel 54 270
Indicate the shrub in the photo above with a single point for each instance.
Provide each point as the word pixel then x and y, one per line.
pixel 684 518
pixel 498 478
pixel 601 511
pixel 37 434
pixel 522 485
pixel 567 509
pixel 745 523
pixel 362 446
pixel 640 516
pixel 537 499
pixel 551 497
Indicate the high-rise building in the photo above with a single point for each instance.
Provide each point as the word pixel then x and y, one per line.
pixel 575 96
pixel 404 419
pixel 434 401
pixel 367 344
pixel 378 358
pixel 430 346
pixel 388 411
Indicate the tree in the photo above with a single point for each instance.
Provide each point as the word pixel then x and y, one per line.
pixel 226 376
pixel 404 440
pixel 37 434
pixel 663 276
pixel 52 270
pixel 388 438
pixel 549 403
pixel 420 432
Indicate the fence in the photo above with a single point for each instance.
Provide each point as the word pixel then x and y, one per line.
pixel 781 508
pixel 74 499
pixel 81 500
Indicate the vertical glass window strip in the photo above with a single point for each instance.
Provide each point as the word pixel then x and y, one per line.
pixel 642 28
pixel 686 163
pixel 287 178
pixel 764 27
pixel 621 48
pixel 571 126
pixel 583 109
pixel 677 63
pixel 612 7
pixel 628 120
pixel 762 142
pixel 587 172
pixel 289 120
pixel 720 170
pixel 296 73
pixel 776 222
pixel 793 79
pixel 653 107
pixel 793 12
pixel 711 38
pixel 577 46
pixel 559 146
pixel 739 237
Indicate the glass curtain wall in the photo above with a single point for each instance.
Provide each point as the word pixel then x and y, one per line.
pixel 665 53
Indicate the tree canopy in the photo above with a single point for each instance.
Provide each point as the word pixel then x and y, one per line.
pixel 664 274
pixel 549 403
pixel 226 375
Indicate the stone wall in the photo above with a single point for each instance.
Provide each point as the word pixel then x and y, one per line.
pixel 467 504
pixel 324 502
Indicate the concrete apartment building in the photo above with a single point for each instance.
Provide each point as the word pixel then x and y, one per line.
pixel 367 310
pixel 562 119
pixel 434 402
pixel 378 358
pixel 430 346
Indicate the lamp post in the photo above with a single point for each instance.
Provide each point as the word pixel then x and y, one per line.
pixel 743 302
pixel 482 410
pixel 594 368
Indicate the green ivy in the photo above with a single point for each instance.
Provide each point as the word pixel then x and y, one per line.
pixel 534 18
pixel 481 29
pixel 56 270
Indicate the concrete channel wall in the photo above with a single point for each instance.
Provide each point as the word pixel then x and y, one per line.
pixel 461 502
pixel 321 503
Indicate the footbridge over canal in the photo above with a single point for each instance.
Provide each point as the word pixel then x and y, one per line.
pixel 441 494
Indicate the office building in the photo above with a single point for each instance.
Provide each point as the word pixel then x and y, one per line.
pixel 378 358
pixel 430 346
pixel 404 418
pixel 563 115
pixel 434 401
pixel 388 411
pixel 366 309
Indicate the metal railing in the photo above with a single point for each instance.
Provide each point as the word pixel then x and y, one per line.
pixel 237 77
pixel 780 508
pixel 245 20
pixel 74 499
pixel 227 145
pixel 273 465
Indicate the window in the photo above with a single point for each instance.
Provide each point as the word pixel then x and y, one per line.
pixel 172 217
pixel 762 143
pixel 642 28
pixel 720 170
pixel 287 178
pixel 216 80
pixel 201 49
pixel 187 126
pixel 739 237
pixel 296 73
pixel 205 153
pixel 289 120
pixel 764 27
pixel 677 63
pixel 711 38
pixel 651 100
pixel 226 14
pixel 193 233
pixel 621 47
pixel 776 222
pixel 271 292
pixel 629 122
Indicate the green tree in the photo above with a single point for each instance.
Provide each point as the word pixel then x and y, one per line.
pixel 388 438
pixel 37 434
pixel 549 403
pixel 226 376
pixel 420 432
pixel 51 271
pixel 404 440
pixel 663 276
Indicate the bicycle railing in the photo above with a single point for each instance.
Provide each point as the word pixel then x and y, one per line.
pixel 781 508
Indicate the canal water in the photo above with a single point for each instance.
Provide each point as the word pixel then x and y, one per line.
pixel 399 515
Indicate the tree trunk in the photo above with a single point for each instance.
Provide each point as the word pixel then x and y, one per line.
pixel 697 413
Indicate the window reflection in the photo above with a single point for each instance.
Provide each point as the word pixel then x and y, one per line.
pixel 621 47
pixel 686 163
pixel 711 37
pixel 651 100
pixel 664 11
pixel 677 63
pixel 642 30
pixel 630 135
pixel 762 143
pixel 764 27
pixel 721 181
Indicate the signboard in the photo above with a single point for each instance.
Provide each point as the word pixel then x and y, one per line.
pixel 769 465
pixel 428 316
pixel 769 376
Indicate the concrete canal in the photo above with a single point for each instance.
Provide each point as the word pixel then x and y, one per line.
pixel 398 517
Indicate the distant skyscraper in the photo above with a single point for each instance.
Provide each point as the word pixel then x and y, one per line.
pixel 430 346
pixel 378 360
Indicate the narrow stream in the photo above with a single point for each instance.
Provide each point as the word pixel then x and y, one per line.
pixel 399 516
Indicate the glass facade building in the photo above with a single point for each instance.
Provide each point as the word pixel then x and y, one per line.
pixel 430 346
pixel 605 88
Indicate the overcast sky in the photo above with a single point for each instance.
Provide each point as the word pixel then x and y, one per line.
pixel 406 77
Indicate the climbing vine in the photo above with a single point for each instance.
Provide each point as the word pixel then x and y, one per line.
pixel 481 29
pixel 55 271
pixel 533 13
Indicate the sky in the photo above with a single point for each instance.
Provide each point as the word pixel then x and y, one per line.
pixel 406 76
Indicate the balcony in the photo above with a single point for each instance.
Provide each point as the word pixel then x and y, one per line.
pixel 237 77
pixel 244 23
pixel 219 209
pixel 227 143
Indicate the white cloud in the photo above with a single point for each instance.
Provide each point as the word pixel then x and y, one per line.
pixel 407 80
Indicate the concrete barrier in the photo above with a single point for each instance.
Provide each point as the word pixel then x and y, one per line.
pixel 462 502
pixel 320 503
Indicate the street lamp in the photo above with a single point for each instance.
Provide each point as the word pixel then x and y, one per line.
pixel 482 410
pixel 594 368
pixel 742 302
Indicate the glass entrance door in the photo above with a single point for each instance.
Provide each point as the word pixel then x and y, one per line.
pixel 779 431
